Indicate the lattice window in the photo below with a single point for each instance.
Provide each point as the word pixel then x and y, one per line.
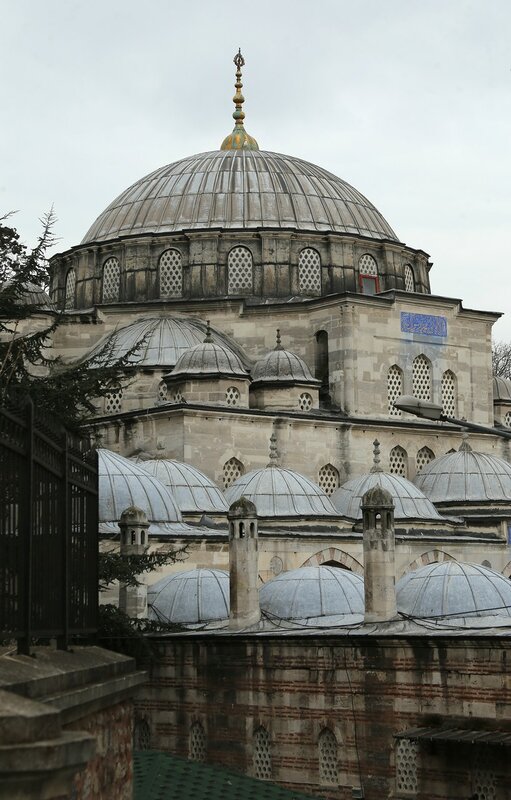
pixel 233 469
pixel 449 400
pixel 507 419
pixel 394 389
pixel 327 752
pixel 409 279
pixel 163 392
pixel 141 735
pixel 232 396
pixel 197 742
pixel 422 377
pixel 262 754
pixel 329 478
pixel 176 396
pixel 398 461
pixel 424 456
pixel 484 774
pixel 111 280
pixel 309 270
pixel 170 274
pixel 69 301
pixel 239 268
pixel 113 402
pixel 305 401
pixel 367 265
pixel 407 766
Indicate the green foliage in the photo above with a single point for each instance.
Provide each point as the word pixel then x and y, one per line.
pixel 115 566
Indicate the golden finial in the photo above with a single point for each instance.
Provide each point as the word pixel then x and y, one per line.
pixel 239 139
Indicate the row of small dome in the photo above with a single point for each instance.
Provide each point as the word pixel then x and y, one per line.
pixel 448 592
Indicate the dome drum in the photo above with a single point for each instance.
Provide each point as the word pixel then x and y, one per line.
pixel 208 389
pixel 287 396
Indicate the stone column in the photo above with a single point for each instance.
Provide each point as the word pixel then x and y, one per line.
pixel 379 555
pixel 134 541
pixel 243 565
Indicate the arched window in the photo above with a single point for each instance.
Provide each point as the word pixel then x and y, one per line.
pixel 449 398
pixel 305 401
pixel 69 300
pixel 262 754
pixel 424 456
pixel 232 396
pixel 141 735
pixel 197 746
pixel 421 377
pixel 394 389
pixel 113 402
pixel 407 766
pixel 329 478
pixel 398 461
pixel 507 419
pixel 111 280
pixel 327 755
pixel 322 368
pixel 170 274
pixel 309 271
pixel 232 470
pixel 239 271
pixel 409 279
pixel 368 274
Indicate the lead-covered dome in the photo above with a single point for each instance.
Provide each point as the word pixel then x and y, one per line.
pixel 409 501
pixel 239 189
pixel 501 390
pixel 209 358
pixel 278 492
pixel 193 491
pixel 194 597
pixel 281 366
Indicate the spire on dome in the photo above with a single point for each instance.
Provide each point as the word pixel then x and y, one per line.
pixel 239 139
pixel 274 455
pixel 464 446
pixel 208 338
pixel 278 345
pixel 376 457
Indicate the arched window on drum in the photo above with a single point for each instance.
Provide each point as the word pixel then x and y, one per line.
pixel 111 280
pixel 170 274
pixel 368 274
pixel 69 299
pixel 309 271
pixel 240 278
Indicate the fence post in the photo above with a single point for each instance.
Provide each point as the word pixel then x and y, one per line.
pixel 66 523
pixel 26 523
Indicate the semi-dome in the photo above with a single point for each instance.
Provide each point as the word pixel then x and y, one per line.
pixel 192 490
pixel 409 501
pixel 501 389
pixel 190 598
pixel 209 358
pixel 278 492
pixel 239 189
pixel 282 366
pixel 309 593
pixel 451 589
pixel 466 476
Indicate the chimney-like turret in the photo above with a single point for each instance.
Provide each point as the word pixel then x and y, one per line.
pixel 243 565
pixel 379 555
pixel 134 541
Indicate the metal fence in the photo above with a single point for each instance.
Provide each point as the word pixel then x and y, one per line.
pixel 48 529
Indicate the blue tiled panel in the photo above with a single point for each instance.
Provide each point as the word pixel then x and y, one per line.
pixel 424 324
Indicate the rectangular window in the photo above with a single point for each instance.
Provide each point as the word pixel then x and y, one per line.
pixel 368 284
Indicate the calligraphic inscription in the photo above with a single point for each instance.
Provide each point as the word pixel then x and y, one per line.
pixel 423 324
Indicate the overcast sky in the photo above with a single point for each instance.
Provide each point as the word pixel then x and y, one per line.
pixel 407 100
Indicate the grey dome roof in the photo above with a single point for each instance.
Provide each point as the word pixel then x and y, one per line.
pixel 192 490
pixel 239 189
pixel 453 589
pixel 312 592
pixel 409 501
pixel 282 366
pixel 466 476
pixel 192 597
pixel 278 492
pixel 501 389
pixel 209 358
pixel 32 295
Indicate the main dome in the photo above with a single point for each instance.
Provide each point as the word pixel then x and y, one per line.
pixel 239 189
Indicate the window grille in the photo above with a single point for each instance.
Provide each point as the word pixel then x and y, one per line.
pixel 239 268
pixel 111 280
pixel 233 469
pixel 407 763
pixel 507 419
pixel 197 742
pixel 170 274
pixel 309 270
pixel 424 456
pixel 329 478
pixel 367 265
pixel 409 279
pixel 394 389
pixel 484 777
pixel 305 401
pixel 113 402
pixel 176 396
pixel 262 754
pixel 422 377
pixel 162 391
pixel 398 461
pixel 141 735
pixel 449 404
pixel 327 752
pixel 232 396
pixel 70 289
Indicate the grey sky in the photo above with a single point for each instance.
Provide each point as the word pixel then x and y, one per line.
pixel 408 100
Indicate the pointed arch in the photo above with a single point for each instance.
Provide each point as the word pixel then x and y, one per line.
pixel 449 394
pixel 231 471
pixel 197 742
pixel 329 478
pixel 334 554
pixel 328 758
pixel 262 754
pixel 421 377
pixel 398 461
pixel 430 557
pixel 424 456
pixel 394 389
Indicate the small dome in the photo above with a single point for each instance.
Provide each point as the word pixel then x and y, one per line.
pixel 192 490
pixel 501 390
pixel 282 366
pixel 278 492
pixel 190 598
pixel 311 592
pixel 209 358
pixel 455 590
pixel 32 295
pixel 409 501
pixel 466 476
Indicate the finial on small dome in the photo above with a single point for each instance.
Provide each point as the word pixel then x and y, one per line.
pixel 464 446
pixel 208 338
pixel 376 457
pixel 274 455
pixel 278 346
pixel 239 139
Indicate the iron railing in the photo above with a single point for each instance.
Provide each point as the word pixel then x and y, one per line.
pixel 48 528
